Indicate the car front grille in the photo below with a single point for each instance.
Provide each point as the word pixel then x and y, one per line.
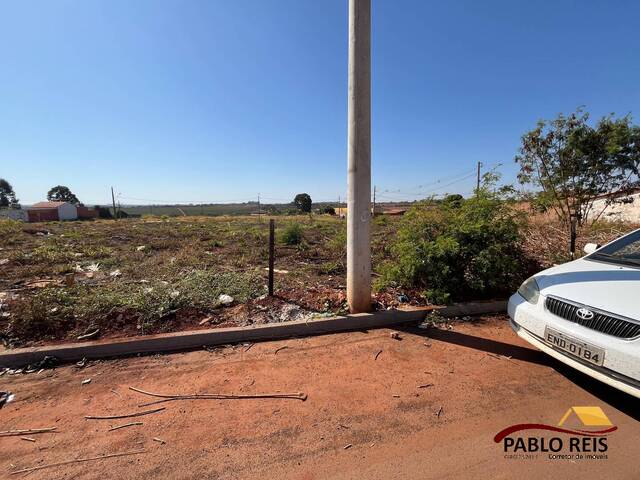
pixel 601 321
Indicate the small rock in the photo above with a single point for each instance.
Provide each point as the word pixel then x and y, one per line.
pixel 86 381
pixel 141 248
pixel 403 298
pixel 174 294
pixel 4 261
pixel 395 335
pixel 6 397
pixel 115 273
pixel 225 299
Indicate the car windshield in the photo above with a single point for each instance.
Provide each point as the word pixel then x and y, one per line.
pixel 624 251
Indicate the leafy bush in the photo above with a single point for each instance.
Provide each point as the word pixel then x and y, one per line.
pixel 328 210
pixel 455 250
pixel 292 234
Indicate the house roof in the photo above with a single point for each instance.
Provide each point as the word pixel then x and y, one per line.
pixel 47 204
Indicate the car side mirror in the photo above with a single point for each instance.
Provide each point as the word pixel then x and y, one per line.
pixel 589 248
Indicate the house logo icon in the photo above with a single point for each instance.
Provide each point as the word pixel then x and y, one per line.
pixel 589 416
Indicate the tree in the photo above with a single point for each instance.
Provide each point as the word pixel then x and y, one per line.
pixel 61 193
pixel 455 200
pixel 574 163
pixel 303 202
pixel 7 195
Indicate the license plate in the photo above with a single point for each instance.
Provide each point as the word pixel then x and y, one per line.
pixel 575 347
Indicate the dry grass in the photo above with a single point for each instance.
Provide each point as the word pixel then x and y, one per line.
pixel 547 240
pixel 156 274
pixel 159 274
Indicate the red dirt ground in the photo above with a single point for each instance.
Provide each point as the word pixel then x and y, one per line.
pixel 374 405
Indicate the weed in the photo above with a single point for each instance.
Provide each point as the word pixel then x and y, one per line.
pixel 292 234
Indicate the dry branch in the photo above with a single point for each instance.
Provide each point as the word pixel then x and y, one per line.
pixel 216 396
pixel 111 455
pixel 113 417
pixel 30 431
pixel 125 425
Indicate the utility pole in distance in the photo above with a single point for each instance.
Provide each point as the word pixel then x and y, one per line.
pixel 478 181
pixel 359 158
pixel 373 212
pixel 259 212
pixel 113 200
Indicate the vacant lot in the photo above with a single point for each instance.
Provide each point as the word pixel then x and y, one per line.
pixel 63 280
pixel 425 406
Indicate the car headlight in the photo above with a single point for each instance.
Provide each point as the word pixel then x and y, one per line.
pixel 529 290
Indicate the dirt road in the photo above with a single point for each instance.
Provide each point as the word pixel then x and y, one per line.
pixel 385 408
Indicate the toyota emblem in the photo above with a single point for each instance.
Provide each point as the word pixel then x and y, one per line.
pixel 584 314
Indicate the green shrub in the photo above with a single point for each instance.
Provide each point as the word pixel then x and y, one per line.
pixel 9 227
pixel 292 234
pixel 457 250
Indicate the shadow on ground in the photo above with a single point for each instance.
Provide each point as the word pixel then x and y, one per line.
pixel 609 395
pixel 483 344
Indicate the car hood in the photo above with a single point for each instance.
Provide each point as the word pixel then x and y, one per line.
pixel 609 287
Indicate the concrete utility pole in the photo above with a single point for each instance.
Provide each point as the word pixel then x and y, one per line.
pixel 478 179
pixel 359 158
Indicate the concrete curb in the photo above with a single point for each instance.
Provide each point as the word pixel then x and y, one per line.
pixel 172 342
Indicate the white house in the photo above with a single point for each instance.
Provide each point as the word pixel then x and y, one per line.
pixel 625 208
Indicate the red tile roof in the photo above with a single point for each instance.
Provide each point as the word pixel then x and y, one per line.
pixel 47 204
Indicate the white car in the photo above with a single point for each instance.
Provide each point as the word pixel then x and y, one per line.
pixel 586 313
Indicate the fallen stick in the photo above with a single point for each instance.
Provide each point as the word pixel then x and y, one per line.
pixel 30 431
pixel 28 439
pixel 377 354
pixel 79 460
pixel 280 348
pixel 113 417
pixel 89 335
pixel 125 425
pixel 216 396
pixel 500 357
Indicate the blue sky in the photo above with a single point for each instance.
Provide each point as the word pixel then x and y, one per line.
pixel 184 100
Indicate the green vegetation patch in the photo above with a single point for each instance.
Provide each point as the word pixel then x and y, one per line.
pixel 55 311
